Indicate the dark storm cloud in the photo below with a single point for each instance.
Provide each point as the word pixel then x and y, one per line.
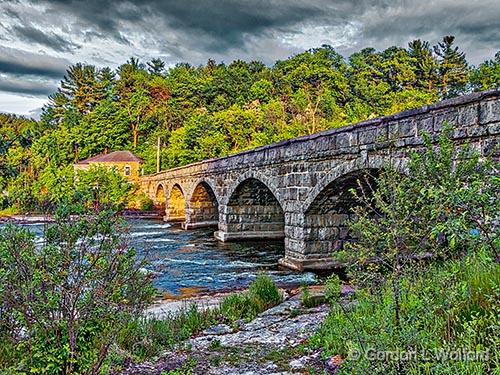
pixel 218 26
pixel 22 86
pixel 228 21
pixel 17 62
pixel 110 31
pixel 225 21
pixel 45 38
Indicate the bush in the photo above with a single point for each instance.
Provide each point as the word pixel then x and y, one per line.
pixel 333 288
pixel 64 301
pixel 264 292
pixel 261 295
pixel 238 306
pixel 449 306
pixel 445 206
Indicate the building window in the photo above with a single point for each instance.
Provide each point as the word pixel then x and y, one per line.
pixel 127 170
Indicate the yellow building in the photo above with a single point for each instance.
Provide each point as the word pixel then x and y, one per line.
pixel 125 162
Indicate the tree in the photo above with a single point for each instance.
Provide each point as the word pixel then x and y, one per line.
pixel 425 63
pixel 156 66
pixel 487 75
pixel 105 128
pixel 64 302
pixel 453 70
pixel 102 188
pixel 81 87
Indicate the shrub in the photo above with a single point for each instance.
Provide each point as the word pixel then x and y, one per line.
pixel 146 203
pixel 446 205
pixel 264 292
pixel 64 301
pixel 449 306
pixel 333 288
pixel 238 306
pixel 261 295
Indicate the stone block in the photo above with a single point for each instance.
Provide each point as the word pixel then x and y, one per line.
pixel 489 111
pixel 459 133
pixel 477 130
pixel 493 129
pixel 343 140
pixel 425 125
pixel 468 115
pixel 449 115
pixel 407 128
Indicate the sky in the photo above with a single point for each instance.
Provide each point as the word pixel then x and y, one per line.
pixel 40 39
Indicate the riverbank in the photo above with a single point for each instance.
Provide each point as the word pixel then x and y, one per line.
pixel 40 219
pixel 271 343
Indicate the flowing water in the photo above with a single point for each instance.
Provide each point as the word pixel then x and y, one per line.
pixel 188 262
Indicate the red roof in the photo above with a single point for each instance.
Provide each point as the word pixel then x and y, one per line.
pixel 113 157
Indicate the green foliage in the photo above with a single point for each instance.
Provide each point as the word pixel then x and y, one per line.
pixel 261 295
pixel 487 75
pixel 145 203
pixel 216 109
pixel 144 338
pixel 445 205
pixel 63 301
pixel 102 187
pixel 305 298
pixel 333 288
pixel 446 306
pixel 264 292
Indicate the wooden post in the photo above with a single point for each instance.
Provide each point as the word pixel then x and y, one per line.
pixel 158 156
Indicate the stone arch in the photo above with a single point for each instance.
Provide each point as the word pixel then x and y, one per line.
pixel 258 175
pixel 203 206
pixel 374 163
pixel 205 181
pixel 176 204
pixel 251 211
pixel 160 199
pixel 326 217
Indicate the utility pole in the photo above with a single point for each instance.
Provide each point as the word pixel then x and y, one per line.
pixel 158 156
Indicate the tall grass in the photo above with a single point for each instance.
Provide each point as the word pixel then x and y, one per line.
pixel 147 337
pixel 446 307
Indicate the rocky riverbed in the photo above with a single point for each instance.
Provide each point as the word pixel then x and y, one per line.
pixel 269 344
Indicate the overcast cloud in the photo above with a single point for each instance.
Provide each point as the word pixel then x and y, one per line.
pixel 39 39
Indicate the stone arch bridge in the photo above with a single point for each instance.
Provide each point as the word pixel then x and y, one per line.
pixel 299 189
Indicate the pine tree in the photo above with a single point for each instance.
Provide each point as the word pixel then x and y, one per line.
pixel 425 62
pixel 453 69
pixel 156 66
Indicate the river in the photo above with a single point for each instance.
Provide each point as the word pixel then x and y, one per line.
pixel 191 262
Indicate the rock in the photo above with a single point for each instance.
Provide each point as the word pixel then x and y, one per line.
pixel 332 364
pixel 302 362
pixel 249 349
pixel 219 329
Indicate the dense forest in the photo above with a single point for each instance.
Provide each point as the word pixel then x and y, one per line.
pixel 218 109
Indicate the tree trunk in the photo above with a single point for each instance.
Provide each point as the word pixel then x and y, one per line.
pixel 135 135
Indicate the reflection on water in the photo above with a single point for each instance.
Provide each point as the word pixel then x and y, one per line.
pixel 187 262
